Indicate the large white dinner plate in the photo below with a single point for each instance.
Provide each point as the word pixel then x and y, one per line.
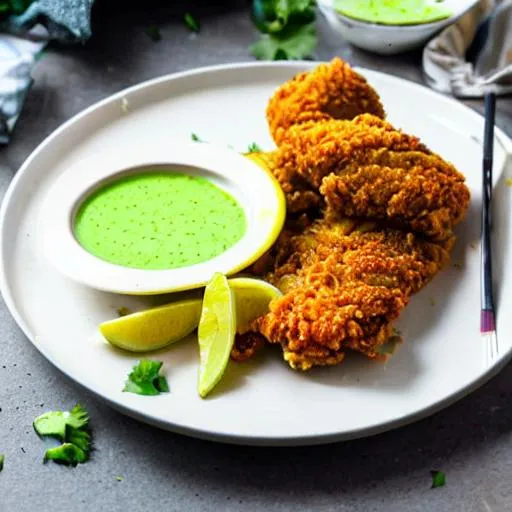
pixel 261 402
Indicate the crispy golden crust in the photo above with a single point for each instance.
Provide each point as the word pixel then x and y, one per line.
pixel 370 216
pixel 246 345
pixel 330 91
pixel 343 289
pixel 415 198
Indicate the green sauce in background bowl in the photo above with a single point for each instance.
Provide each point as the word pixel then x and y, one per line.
pixel 393 12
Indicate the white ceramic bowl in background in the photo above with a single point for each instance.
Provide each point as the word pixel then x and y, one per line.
pixel 389 39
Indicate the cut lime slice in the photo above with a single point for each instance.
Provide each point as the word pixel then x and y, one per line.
pixel 216 332
pixel 252 297
pixel 154 328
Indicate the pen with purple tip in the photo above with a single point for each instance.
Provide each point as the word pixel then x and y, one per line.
pixel 487 311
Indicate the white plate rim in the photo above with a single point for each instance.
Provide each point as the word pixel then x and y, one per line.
pixel 314 439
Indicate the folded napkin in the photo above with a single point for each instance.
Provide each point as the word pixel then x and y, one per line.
pixel 23 38
pixel 473 56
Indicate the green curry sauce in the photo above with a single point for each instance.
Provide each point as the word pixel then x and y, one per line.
pixel 159 220
pixel 393 12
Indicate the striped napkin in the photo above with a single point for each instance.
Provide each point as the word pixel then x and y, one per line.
pixel 22 39
pixel 473 56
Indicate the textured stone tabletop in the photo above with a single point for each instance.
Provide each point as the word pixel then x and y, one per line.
pixel 470 441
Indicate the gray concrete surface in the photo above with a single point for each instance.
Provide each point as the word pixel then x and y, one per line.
pixel 470 441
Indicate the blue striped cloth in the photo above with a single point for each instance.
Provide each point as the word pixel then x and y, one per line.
pixel 23 37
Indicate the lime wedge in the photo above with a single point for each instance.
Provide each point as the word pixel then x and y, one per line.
pixel 252 297
pixel 154 328
pixel 216 332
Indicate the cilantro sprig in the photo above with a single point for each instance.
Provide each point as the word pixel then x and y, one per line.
pixel 144 379
pixel 288 29
pixel 71 429
pixel 438 479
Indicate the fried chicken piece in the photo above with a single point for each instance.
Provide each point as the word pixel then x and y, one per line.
pixel 344 286
pixel 330 91
pixel 366 168
pixel 246 345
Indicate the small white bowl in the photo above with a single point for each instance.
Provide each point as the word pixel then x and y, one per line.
pixel 389 39
pixel 257 192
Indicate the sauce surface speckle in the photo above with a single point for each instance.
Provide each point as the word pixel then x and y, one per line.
pixel 159 220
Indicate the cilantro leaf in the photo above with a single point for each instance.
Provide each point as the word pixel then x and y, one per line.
pixel 191 22
pixel 153 33
pixel 438 479
pixel 80 438
pixel 2 460
pixel 55 423
pixel 145 380
pixel 272 16
pixel 254 148
pixel 295 43
pixel 67 453
pixel 196 137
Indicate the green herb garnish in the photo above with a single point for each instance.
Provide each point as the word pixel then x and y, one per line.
pixel 2 460
pixel 196 137
pixel 55 423
pixel 145 380
pixel 288 29
pixel 122 311
pixel 154 33
pixel 438 479
pixel 71 429
pixel 119 478
pixel 67 453
pixel 191 22
pixel 254 148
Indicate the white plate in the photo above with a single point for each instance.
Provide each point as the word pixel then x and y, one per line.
pixel 261 402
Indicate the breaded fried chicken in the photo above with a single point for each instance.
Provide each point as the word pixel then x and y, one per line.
pixel 370 219
pixel 343 289
pixel 331 91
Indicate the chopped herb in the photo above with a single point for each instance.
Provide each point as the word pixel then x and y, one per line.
pixel 298 44
pixel 2 460
pixel 145 380
pixel 122 311
pixel 154 33
pixel 432 301
pixel 67 453
pixel 253 148
pixel 438 479
pixel 457 265
pixel 191 22
pixel 119 478
pixel 196 137
pixel 508 182
pixel 288 29
pixel 55 423
pixel 389 347
pixel 71 429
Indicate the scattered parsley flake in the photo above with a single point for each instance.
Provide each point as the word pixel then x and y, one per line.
pixel 71 429
pixel 457 265
pixel 55 423
pixel 432 301
pixel 191 22
pixel 67 453
pixel 438 479
pixel 196 137
pixel 119 478
pixel 254 148
pixel 122 311
pixel 2 460
pixel 153 33
pixel 145 380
